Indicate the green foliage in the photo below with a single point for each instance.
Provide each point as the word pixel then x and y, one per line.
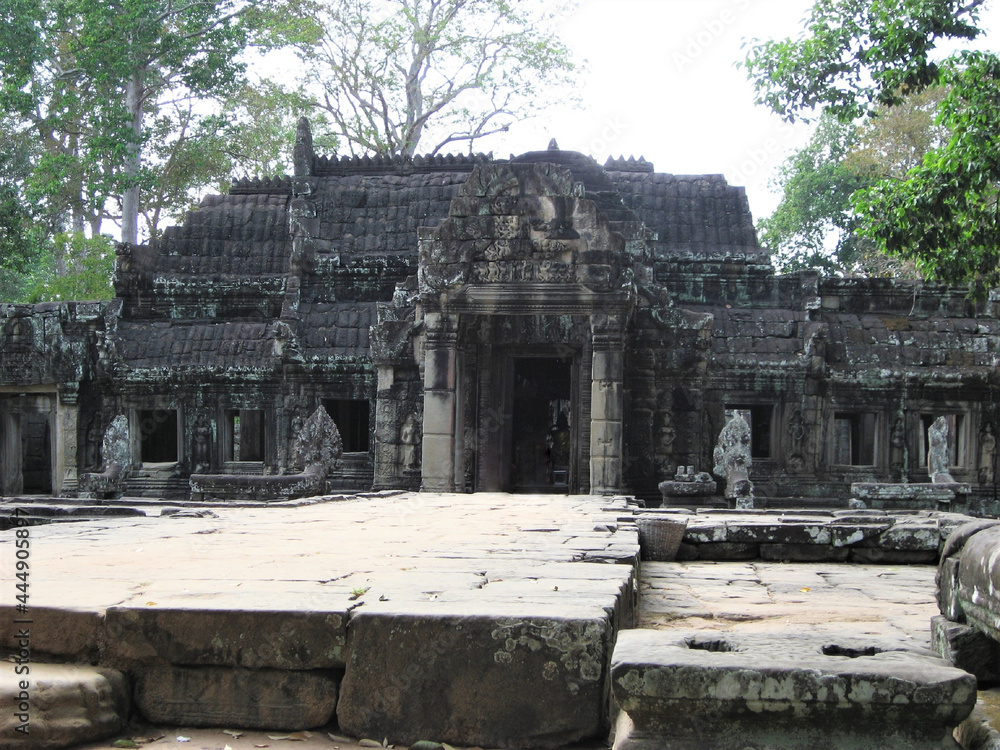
pixel 858 54
pixel 945 215
pixel 75 267
pixel 941 213
pixel 813 225
pixel 103 85
pixel 389 73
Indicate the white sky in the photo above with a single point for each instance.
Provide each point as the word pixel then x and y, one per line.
pixel 662 83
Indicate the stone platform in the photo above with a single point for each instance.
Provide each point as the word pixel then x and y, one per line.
pixel 470 619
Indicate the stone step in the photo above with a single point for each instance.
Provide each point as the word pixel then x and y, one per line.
pixel 60 705
pixel 728 692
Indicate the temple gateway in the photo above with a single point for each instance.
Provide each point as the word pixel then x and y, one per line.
pixel 538 323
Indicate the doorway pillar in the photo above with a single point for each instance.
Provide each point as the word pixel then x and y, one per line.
pixel 65 428
pixel 607 403
pixel 11 477
pixel 438 457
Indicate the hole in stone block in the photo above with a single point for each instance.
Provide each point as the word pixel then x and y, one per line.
pixel 852 653
pixel 717 645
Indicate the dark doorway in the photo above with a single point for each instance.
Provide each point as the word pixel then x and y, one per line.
pixel 352 418
pixel 158 435
pixel 36 453
pixel 246 435
pixel 541 434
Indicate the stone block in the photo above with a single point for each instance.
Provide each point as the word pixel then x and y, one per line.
pixel 68 632
pixel 500 675
pixel 234 697
pixel 439 412
pixel 702 532
pixel 803 552
pixel 978 570
pixel 849 534
pixel 66 705
pixel 910 536
pixel 728 551
pixel 227 630
pixel 968 649
pixel 779 533
pixel 893 556
pixel 730 693
pixel 688 552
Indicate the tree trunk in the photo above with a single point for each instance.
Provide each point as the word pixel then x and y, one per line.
pixel 130 199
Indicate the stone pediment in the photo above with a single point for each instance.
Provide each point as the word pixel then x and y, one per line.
pixel 523 224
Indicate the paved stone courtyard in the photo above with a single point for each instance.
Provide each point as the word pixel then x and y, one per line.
pixel 895 602
pixel 435 555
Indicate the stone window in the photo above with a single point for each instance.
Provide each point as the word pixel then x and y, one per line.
pixel 760 417
pixel 957 439
pixel 158 435
pixel 352 419
pixel 855 435
pixel 244 435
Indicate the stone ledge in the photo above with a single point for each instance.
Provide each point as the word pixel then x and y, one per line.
pixel 716 690
pixel 866 536
pixel 281 630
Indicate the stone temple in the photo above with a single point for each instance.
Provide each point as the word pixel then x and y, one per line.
pixel 538 323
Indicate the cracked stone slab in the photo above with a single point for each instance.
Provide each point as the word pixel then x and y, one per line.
pixel 66 704
pixel 255 628
pixel 501 675
pixel 727 692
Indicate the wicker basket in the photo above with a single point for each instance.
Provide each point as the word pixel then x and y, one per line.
pixel 660 538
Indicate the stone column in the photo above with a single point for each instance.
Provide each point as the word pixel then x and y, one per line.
pixel 11 477
pixel 606 404
pixel 387 425
pixel 66 417
pixel 440 403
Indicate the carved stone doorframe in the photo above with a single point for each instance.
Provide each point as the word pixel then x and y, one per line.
pixel 443 457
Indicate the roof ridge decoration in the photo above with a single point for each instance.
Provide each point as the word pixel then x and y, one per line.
pixel 332 164
pixel 278 184
pixel 631 164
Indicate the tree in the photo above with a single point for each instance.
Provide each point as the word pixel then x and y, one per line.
pixel 815 224
pixel 207 144
pixel 88 75
pixel 943 214
pixel 23 226
pixel 73 267
pixel 858 54
pixel 391 73
pixel 816 185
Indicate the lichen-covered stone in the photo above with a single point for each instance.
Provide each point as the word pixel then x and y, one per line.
pixel 729 693
pixel 489 676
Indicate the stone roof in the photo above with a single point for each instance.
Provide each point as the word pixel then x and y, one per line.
pixel 232 258
pixel 332 331
pixel 380 213
pixel 701 214
pixel 245 234
pixel 211 346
